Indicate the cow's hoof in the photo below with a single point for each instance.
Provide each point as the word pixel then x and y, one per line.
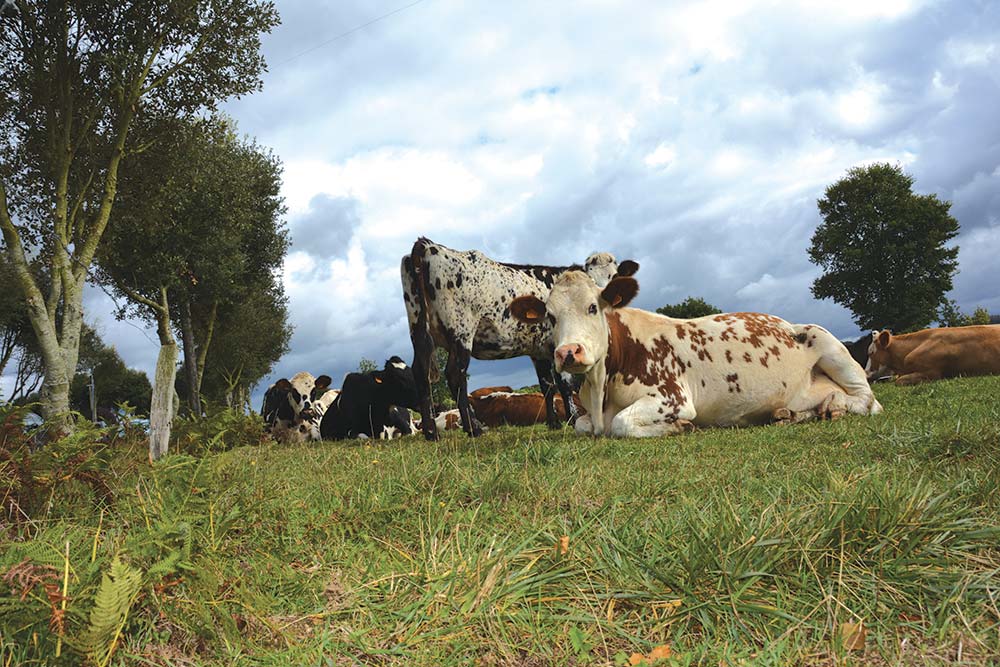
pixel 431 436
pixel 782 416
pixel 685 426
pixel 833 414
pixel 554 426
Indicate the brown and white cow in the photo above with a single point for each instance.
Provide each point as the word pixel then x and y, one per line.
pixel 498 406
pixel 650 375
pixel 458 299
pixel 934 354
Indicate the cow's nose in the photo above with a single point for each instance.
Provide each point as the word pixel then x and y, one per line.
pixel 569 353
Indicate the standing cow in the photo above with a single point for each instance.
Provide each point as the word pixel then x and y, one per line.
pixel 459 300
pixel 650 375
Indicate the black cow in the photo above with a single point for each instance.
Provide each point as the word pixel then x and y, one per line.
pixel 458 300
pixel 859 349
pixel 398 423
pixel 363 407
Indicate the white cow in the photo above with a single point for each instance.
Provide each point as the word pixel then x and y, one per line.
pixel 649 375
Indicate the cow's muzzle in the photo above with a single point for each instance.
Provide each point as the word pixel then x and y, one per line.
pixel 569 356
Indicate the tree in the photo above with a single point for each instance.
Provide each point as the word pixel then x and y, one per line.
pixel 250 337
pixel 883 249
pixel 951 316
pixel 114 381
pixel 366 365
pixel 190 225
pixel 76 79
pixel 689 308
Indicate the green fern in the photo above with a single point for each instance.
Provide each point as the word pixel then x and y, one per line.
pixel 112 603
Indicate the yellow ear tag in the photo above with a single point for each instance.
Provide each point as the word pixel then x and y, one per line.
pixel 532 315
pixel 378 380
pixel 618 299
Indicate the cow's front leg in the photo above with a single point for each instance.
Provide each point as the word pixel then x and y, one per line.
pixel 916 378
pixel 650 417
pixel 592 396
pixel 543 369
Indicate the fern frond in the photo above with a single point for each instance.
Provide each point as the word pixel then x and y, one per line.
pixel 112 603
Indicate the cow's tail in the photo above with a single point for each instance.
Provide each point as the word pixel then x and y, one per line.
pixel 419 281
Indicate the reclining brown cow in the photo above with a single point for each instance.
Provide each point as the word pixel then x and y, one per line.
pixel 934 354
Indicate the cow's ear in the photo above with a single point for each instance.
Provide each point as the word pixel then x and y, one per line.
pixel 627 268
pixel 884 339
pixel 323 382
pixel 283 384
pixel 620 291
pixel 528 309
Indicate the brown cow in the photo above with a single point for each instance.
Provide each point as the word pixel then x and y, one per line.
pixel 496 406
pixel 933 354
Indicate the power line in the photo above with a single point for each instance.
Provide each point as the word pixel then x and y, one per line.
pixel 345 34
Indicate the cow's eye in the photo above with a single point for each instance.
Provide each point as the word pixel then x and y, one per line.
pixel 593 309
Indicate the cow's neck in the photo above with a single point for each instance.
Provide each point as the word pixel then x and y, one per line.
pixel 624 351
pixel 901 346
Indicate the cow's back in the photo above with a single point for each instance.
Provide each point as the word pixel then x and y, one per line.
pixel 467 296
pixel 734 368
pixel 955 351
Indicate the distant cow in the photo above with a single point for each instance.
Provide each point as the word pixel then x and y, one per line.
pixel 459 300
pixel 398 423
pixel 363 407
pixel 285 400
pixel 496 406
pixel 859 349
pixel 933 354
pixel 650 375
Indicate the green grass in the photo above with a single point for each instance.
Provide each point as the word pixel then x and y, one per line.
pixel 749 546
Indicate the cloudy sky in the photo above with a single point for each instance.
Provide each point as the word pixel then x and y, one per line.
pixel 692 137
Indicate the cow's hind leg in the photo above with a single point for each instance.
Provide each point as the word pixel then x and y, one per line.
pixel 458 383
pixel 423 351
pixel 845 373
pixel 649 417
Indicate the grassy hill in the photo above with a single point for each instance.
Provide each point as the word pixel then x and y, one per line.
pixel 867 541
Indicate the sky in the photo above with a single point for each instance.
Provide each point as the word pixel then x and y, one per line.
pixel 693 137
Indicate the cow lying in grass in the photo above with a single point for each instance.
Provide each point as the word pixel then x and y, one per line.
pixel 650 375
pixel 291 406
pixel 933 354
pixel 498 406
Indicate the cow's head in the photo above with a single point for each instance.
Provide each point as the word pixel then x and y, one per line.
pixel 576 309
pixel 878 354
pixel 395 384
pixel 602 267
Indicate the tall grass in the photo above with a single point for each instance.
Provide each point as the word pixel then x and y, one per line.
pixel 528 547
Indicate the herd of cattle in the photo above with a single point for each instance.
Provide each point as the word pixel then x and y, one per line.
pixel 642 374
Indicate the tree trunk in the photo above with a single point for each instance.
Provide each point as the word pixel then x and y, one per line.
pixel 203 348
pixel 162 406
pixel 190 360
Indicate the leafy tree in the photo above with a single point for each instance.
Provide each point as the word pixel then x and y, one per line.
pixel 76 80
pixel 951 316
pixel 250 337
pixel 114 381
pixel 187 229
pixel 689 308
pixel 366 365
pixel 883 249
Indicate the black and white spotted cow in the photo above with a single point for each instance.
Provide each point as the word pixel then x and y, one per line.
pixel 286 400
pixel 398 424
pixel 364 406
pixel 459 300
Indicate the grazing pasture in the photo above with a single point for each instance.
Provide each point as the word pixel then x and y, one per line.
pixel 864 541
